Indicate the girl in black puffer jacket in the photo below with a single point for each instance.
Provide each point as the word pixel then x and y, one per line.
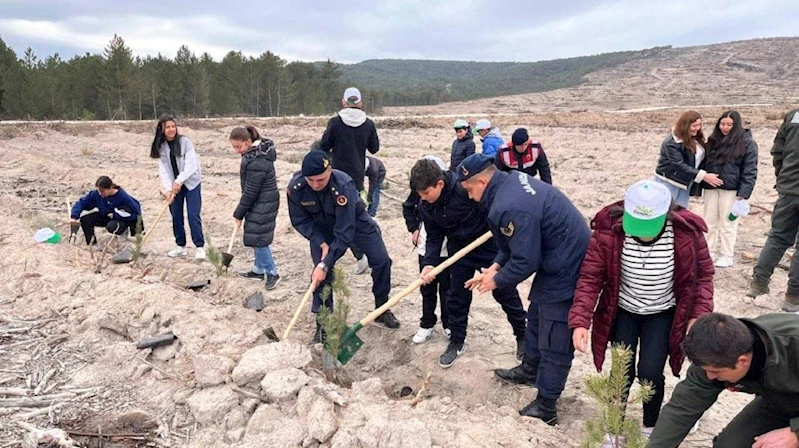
pixel 732 154
pixel 260 200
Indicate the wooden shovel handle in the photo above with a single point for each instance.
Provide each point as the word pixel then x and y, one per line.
pixel 233 237
pixel 297 313
pixel 435 271
pixel 152 227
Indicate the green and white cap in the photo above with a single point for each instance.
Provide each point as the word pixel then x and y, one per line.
pixel 646 205
pixel 460 124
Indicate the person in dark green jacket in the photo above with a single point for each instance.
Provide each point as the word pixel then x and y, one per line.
pixel 757 356
pixel 785 219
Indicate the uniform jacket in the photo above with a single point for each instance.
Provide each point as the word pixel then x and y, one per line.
pixel 532 161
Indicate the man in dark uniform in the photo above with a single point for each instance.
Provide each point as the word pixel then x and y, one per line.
pixel 538 231
pixel 448 213
pixel 324 206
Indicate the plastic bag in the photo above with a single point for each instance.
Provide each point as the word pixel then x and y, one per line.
pixel 739 208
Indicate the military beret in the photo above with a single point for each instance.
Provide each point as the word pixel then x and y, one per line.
pixel 472 165
pixel 315 163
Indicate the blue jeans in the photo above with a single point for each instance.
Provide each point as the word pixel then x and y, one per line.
pixel 194 205
pixel 374 199
pixel 264 263
pixel 679 195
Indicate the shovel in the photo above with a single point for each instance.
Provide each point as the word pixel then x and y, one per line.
pixel 120 257
pixel 351 343
pixel 297 313
pixel 227 257
pixel 73 226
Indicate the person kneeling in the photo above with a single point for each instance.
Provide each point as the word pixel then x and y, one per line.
pixel 108 206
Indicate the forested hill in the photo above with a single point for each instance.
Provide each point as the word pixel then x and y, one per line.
pixel 400 82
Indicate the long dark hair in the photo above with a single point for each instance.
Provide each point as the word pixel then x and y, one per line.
pixel 242 134
pixel 105 183
pixel 723 149
pixel 682 130
pixel 160 137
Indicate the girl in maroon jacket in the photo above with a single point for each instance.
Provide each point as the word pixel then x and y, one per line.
pixel 649 270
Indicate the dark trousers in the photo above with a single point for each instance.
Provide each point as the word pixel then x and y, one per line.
pixel 374 197
pixel 761 415
pixel 459 299
pixel 194 204
pixel 369 242
pixel 548 343
pixel 92 220
pixel 784 226
pixel 435 292
pixel 652 330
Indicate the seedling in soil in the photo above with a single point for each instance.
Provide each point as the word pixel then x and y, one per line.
pixel 335 323
pixel 610 429
pixel 215 258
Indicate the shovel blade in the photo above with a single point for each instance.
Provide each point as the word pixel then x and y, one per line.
pixel 350 344
pixel 226 259
pixel 122 257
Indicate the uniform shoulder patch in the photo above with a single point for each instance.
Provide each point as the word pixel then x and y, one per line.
pixel 341 200
pixel 508 231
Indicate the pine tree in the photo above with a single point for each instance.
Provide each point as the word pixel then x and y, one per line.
pixel 609 390
pixel 335 323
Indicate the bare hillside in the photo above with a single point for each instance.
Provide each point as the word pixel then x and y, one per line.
pixel 761 71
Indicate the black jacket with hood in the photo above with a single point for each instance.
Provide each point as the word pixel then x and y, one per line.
pixel 347 137
pixel 260 198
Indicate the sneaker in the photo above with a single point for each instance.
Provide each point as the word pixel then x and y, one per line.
pixel 250 275
pixel 199 254
pixel 178 251
pixel 388 320
pixel 447 333
pixel 361 266
pixel 454 350
pixel 756 288
pixel 723 262
pixel 422 335
pixel 519 351
pixel 272 281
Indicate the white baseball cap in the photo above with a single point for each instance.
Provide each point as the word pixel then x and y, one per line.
pixel 646 205
pixel 352 96
pixel 482 124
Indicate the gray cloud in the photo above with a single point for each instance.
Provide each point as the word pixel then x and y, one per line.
pixel 514 30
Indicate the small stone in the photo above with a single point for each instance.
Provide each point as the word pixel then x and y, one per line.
pixel 235 420
pixel 282 384
pixel 248 405
pixel 209 406
pixel 749 256
pixel 260 360
pixel 166 352
pixel 146 316
pixel 211 370
pixel 234 435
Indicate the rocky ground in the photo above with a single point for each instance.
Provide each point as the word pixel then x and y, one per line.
pixel 68 334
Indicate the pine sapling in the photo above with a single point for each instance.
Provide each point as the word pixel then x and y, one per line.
pixel 138 239
pixel 334 323
pixel 215 258
pixel 610 429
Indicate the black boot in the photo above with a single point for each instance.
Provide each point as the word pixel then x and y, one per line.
pixel 542 408
pixel 525 374
pixel 388 320
pixel 519 351
pixel 319 336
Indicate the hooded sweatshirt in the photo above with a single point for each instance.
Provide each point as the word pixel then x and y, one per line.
pixel 492 141
pixel 347 137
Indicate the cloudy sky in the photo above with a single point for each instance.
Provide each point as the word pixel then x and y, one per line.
pixel 352 31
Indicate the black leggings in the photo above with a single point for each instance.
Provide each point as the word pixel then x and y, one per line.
pixel 653 332
pixel 92 220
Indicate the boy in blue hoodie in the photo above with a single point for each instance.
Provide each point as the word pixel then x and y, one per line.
pixel 116 210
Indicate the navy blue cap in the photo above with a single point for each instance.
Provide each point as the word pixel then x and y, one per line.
pixel 315 163
pixel 472 165
pixel 520 136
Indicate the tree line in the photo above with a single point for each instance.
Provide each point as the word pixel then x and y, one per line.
pixel 115 85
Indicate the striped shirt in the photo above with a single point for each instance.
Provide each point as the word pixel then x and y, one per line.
pixel 647 274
